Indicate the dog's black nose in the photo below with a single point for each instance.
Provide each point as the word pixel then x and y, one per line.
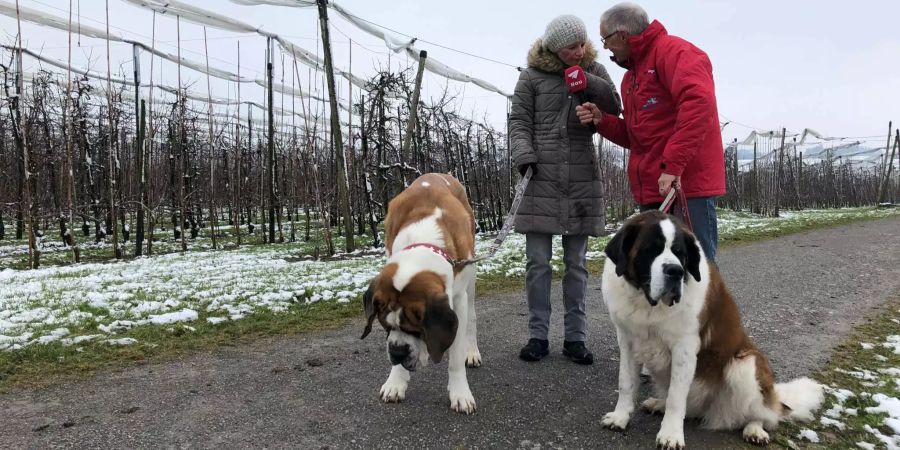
pixel 398 353
pixel 673 271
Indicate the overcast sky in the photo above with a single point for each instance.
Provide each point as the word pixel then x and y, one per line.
pixel 832 67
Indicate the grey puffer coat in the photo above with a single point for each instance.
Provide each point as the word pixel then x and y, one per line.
pixel 564 196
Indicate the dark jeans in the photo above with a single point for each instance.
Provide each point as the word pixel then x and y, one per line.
pixel 703 219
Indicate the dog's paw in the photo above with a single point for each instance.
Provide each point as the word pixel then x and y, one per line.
pixel 755 434
pixel 473 359
pixel 393 391
pixel 616 421
pixel 462 401
pixel 654 405
pixel 670 439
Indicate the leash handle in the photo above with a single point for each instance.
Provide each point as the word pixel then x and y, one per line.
pixel 682 201
pixel 667 203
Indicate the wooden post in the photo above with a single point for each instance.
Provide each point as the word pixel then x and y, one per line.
pixel 800 178
pixel 413 113
pixel 139 116
pixel 886 182
pixel 179 143
pixel 214 219
pixel 238 166
pixel 23 148
pixel 271 137
pixel 343 186
pixel 69 160
pixel 111 141
pixel 897 145
pixel 292 204
pixel 149 152
pixel 779 173
pixel 886 164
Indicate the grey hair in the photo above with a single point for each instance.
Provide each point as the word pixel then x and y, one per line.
pixel 627 17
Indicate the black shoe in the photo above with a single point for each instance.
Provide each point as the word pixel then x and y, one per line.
pixel 577 352
pixel 535 350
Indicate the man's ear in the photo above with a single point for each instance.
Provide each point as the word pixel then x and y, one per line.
pixel 371 310
pixel 439 326
pixel 619 246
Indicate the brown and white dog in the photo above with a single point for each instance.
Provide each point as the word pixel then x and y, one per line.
pixel 424 301
pixel 674 315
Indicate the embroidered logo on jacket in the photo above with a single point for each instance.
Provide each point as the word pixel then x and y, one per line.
pixel 651 102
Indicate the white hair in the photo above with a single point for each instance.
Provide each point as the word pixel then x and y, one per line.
pixel 627 17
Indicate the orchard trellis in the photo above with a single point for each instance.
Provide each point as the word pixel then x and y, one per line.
pixel 89 157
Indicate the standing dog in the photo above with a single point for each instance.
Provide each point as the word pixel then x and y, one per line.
pixel 422 298
pixel 701 360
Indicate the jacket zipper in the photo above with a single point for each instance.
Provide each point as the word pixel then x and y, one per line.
pixel 632 94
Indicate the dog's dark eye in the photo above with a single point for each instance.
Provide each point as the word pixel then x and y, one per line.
pixel 410 331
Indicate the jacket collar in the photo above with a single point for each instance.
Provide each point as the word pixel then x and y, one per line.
pixel 641 44
pixel 546 61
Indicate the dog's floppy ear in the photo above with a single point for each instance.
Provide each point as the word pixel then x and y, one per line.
pixel 439 326
pixel 369 304
pixel 692 262
pixel 618 247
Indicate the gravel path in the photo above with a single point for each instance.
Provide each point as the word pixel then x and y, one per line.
pixel 799 296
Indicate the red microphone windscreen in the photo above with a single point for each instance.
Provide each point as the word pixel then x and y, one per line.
pixel 575 79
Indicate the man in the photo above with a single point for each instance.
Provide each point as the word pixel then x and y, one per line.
pixel 670 119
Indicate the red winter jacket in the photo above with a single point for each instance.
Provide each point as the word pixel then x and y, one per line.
pixel 671 123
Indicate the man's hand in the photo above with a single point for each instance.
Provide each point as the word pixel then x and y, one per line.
pixel 588 113
pixel 667 182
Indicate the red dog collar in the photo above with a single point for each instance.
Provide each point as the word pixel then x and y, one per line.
pixel 434 248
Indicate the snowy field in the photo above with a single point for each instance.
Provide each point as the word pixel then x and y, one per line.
pixel 101 301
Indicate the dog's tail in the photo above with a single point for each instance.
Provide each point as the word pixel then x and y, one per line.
pixel 800 398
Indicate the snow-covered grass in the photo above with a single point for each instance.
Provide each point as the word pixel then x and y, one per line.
pixel 737 226
pixel 862 408
pixel 61 311
pixel 14 252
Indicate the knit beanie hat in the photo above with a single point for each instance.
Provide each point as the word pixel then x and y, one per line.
pixel 562 32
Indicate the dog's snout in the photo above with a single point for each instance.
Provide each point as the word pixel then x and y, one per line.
pixel 673 271
pixel 398 353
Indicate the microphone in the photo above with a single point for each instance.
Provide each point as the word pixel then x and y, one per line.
pixel 576 80
pixel 577 83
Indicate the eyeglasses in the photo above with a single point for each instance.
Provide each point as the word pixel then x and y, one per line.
pixel 604 38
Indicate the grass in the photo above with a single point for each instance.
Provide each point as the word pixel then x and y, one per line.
pixel 756 229
pixel 39 364
pixel 850 356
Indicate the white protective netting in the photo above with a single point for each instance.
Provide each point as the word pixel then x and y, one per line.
pixel 431 64
pixel 215 20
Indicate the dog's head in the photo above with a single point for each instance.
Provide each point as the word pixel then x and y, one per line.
pixel 418 318
pixel 655 253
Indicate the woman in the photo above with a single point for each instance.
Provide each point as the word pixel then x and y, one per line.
pixel 564 195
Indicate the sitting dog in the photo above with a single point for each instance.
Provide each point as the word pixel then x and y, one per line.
pixel 674 315
pixel 423 297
